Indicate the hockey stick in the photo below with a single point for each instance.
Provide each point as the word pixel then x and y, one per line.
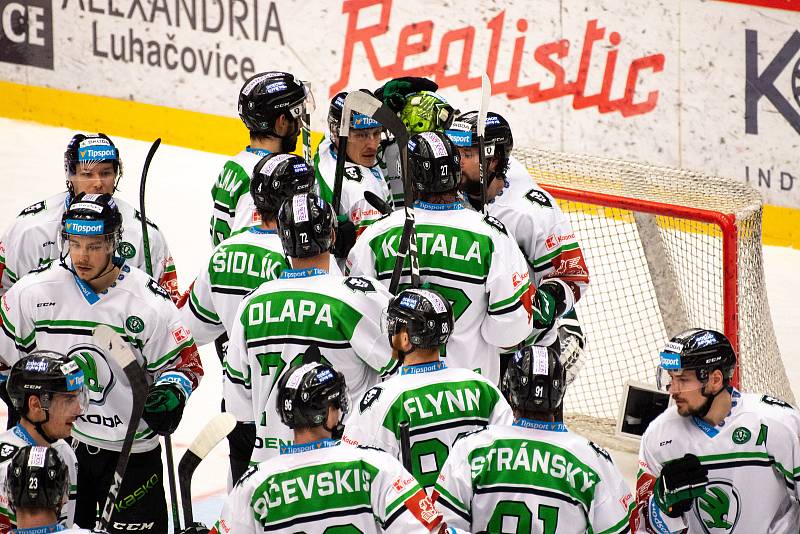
pixel 486 91
pixel 405 445
pixel 148 265
pixel 113 344
pixel 371 106
pixel 148 261
pixel 341 155
pixel 376 202
pixel 215 431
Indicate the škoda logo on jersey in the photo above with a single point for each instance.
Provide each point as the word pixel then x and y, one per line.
pixel 97 374
pixel 718 509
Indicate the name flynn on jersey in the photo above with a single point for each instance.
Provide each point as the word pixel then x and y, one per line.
pixel 538 463
pixel 308 490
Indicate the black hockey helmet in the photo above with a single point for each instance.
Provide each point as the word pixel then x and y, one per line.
pixel 306 390
pixel 267 95
pixel 696 349
pixel 426 315
pixel 498 142
pixel 43 373
pixel 276 177
pixel 357 120
pixel 534 380
pixel 90 148
pixel 434 161
pixel 37 477
pixel 94 215
pixel 306 225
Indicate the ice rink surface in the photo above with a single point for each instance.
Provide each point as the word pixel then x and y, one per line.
pixel 179 202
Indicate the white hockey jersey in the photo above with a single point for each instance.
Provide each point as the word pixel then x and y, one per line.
pixel 470 259
pixel 234 208
pixel 543 233
pixel 532 477
pixel 439 403
pixel 753 461
pixel 275 326
pixel 325 487
pixel 52 309
pixel 389 162
pixel 32 242
pixel 11 441
pixel 357 179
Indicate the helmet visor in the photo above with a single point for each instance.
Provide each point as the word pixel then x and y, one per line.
pixel 677 380
pixel 305 107
pixel 74 403
pixel 391 323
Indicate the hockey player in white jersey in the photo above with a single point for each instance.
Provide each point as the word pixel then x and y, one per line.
pixel 468 258
pixel 542 231
pixel 439 403
pixel 37 483
pixel 317 485
pixel 240 264
pixel 272 105
pixel 57 309
pixel 361 173
pixel 718 460
pixel 92 165
pixel 534 476
pixel 49 393
pixel 306 306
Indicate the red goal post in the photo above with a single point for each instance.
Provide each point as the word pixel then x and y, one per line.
pixel 667 249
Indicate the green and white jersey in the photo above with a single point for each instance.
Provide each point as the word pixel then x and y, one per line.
pixel 13 440
pixel 357 179
pixel 470 259
pixel 532 477
pixel 543 233
pixel 32 242
pixel 753 461
pixel 238 265
pixel 323 487
pixel 275 326
pixel 52 309
pixel 439 403
pixel 233 206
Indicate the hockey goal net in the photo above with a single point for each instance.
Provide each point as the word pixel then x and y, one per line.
pixel 667 249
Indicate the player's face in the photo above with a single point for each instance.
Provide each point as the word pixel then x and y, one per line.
pixel 89 254
pixel 94 177
pixel 469 163
pixel 64 410
pixel 686 390
pixel 362 146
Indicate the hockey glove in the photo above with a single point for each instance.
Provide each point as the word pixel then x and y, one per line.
pixel 549 304
pixel 681 481
pixel 163 408
pixel 394 92
pixel 345 237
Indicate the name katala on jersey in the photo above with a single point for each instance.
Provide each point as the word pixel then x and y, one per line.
pixel 32 242
pixel 440 405
pixel 135 306
pixel 275 326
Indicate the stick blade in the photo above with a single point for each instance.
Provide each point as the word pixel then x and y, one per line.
pixel 486 91
pixel 215 431
pixel 362 102
pixel 104 336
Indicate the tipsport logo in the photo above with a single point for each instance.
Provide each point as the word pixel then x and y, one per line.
pixel 96 153
pixel 460 138
pixel 26 32
pixel 74 227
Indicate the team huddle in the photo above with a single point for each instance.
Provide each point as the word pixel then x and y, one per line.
pixel 395 318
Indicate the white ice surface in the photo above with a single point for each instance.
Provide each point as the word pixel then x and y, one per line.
pixel 179 201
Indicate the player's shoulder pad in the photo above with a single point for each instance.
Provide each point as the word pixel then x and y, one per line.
pixel 33 208
pixel 359 284
pixel 247 474
pixel 370 397
pixel 601 451
pixel 7 451
pixel 495 223
pixel 139 218
pixel 153 286
pixel 535 196
pixel 353 173
pixel 774 401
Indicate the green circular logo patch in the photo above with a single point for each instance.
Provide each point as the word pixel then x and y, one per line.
pixel 126 250
pixel 134 324
pixel 741 435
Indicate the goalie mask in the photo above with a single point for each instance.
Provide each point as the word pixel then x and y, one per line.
pixel 304 393
pixel 534 380
pixel 427 111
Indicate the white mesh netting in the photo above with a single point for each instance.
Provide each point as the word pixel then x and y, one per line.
pixel 620 315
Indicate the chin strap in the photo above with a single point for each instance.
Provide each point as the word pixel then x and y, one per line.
pixel 40 429
pixel 710 397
